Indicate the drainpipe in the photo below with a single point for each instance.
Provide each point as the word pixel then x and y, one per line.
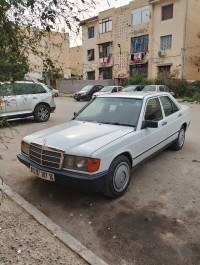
pixel 185 39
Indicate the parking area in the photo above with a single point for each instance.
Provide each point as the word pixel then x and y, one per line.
pixel 156 222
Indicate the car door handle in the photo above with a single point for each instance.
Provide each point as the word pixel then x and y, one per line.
pixel 180 114
pixel 164 123
pixel 12 99
pixel 35 98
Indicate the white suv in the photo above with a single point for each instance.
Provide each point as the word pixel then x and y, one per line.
pixel 23 99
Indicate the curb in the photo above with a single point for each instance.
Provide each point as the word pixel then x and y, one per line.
pixel 56 230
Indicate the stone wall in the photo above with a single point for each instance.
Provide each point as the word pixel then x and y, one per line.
pixel 71 86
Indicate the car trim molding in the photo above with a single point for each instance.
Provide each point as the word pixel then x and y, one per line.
pixel 154 146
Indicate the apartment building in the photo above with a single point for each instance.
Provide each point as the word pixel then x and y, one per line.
pixel 144 38
pixel 53 45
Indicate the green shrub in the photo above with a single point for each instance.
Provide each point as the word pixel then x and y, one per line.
pixel 137 80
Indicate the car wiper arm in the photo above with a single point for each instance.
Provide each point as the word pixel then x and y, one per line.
pixel 118 123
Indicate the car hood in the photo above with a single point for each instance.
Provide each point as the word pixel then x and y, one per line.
pixel 77 137
pixel 81 92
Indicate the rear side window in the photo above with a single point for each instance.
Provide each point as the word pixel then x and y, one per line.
pixel 168 105
pixel 153 110
pixel 120 88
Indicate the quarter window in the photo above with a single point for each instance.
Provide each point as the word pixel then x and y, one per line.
pixel 105 25
pixel 167 12
pixel 166 42
pixel 153 110
pixel 168 105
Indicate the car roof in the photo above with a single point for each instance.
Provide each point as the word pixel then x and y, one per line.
pixel 134 94
pixel 20 82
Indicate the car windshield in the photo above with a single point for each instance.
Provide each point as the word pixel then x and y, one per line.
pixel 129 88
pixel 106 89
pixel 116 111
pixel 149 88
pixel 86 88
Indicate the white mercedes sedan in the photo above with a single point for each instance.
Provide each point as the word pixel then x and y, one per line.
pixel 108 137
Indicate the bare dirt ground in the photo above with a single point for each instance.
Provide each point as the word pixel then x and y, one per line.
pixel 25 241
pixel 156 222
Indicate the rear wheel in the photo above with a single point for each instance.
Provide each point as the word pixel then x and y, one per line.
pixel 118 177
pixel 179 142
pixel 42 113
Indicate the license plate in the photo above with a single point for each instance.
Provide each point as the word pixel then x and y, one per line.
pixel 42 174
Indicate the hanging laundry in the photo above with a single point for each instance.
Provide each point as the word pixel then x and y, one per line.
pixel 132 57
pixel 136 58
pixel 108 60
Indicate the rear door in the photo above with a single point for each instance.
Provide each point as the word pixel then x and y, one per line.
pixel 172 119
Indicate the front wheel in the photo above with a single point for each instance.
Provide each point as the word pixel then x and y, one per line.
pixel 118 177
pixel 42 113
pixel 179 142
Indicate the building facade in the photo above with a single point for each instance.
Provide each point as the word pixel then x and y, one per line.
pixel 76 61
pixel 145 37
pixel 53 45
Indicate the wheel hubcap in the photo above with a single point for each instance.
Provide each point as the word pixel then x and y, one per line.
pixel 121 176
pixel 43 114
pixel 181 137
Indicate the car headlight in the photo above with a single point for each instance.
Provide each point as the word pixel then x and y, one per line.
pixel 25 147
pixel 83 94
pixel 81 163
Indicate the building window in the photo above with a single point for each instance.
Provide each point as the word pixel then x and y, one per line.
pixel 91 75
pixel 90 55
pixel 105 25
pixel 167 12
pixel 140 15
pixel 139 70
pixel 90 32
pixel 139 44
pixel 105 50
pixel 105 73
pixel 166 42
pixel 164 69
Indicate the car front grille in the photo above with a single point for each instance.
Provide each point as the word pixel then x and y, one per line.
pixel 46 156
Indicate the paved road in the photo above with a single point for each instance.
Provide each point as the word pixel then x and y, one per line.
pixel 157 221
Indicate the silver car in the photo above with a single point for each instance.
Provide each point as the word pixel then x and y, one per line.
pixel 23 99
pixel 158 88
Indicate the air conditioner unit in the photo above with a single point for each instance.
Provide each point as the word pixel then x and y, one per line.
pixel 161 53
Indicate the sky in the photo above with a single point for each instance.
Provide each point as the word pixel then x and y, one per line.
pixel 103 5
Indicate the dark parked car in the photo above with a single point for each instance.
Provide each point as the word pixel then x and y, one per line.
pixel 133 88
pixel 87 92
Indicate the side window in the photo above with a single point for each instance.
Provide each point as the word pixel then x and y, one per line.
pixel 153 110
pixel 166 89
pixel 6 90
pixel 168 105
pixel 120 88
pixel 114 90
pixel 39 89
pixel 161 88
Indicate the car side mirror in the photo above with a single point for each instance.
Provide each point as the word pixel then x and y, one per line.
pixel 75 113
pixel 149 124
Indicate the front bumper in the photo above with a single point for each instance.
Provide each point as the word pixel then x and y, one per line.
pixel 79 96
pixel 81 181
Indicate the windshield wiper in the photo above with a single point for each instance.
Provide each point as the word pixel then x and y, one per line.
pixel 118 123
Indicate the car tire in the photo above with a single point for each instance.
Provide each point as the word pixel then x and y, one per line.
pixel 118 177
pixel 179 142
pixel 42 113
pixel 88 98
pixel 77 99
